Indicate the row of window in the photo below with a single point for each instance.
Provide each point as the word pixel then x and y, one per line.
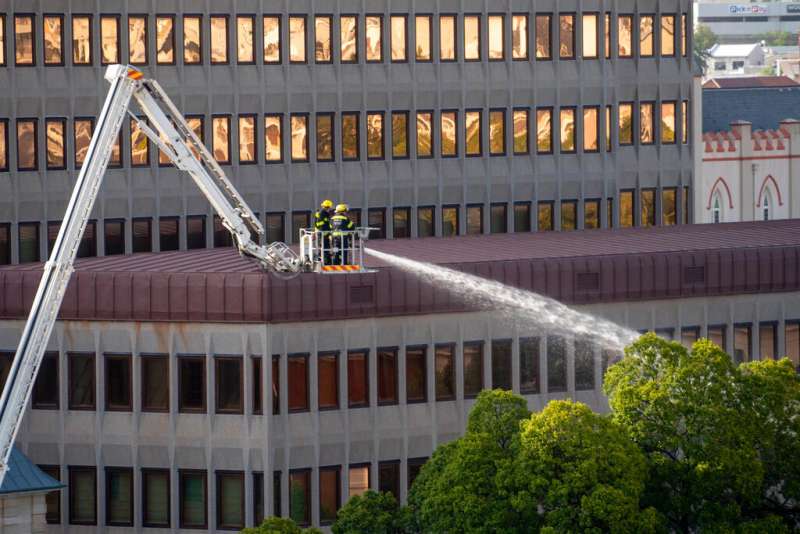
pixel 229 397
pixel 567 130
pixel 192 490
pixel 566 215
pixel 553 35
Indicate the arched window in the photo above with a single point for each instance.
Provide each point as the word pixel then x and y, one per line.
pixel 766 205
pixel 717 209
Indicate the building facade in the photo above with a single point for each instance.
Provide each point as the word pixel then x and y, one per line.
pixel 735 60
pixel 440 119
pixel 742 22
pixel 750 175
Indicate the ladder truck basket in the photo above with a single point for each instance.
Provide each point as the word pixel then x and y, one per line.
pixel 334 252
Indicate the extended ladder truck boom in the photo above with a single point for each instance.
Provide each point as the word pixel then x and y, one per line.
pixel 167 128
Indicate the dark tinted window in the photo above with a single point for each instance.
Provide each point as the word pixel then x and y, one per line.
pixel 115 237
pixel 501 365
pixel 46 388
pixel 584 365
pixel 81 381
pixel 155 497
pixel 118 383
pixel 82 495
pixel 416 372
pixel 142 239
pixel 230 501
pixel 258 407
pixel 229 385
pixel 168 233
pixel 192 384
pixel 298 382
pixel 300 496
pixel 195 232
pixel 155 383
pixel 387 376
pixel 473 368
pixel 445 372
pixel 193 499
pixel 328 380
pixel 556 364
pixel 119 496
pixel 329 494
pixel 389 478
pixel 357 378
pixel 529 380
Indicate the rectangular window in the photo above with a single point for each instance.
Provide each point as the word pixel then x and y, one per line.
pixel 299 124
pixel 474 220
pixel 193 495
pixel 521 143
pixel 426 221
pixel 272 39
pixel 566 37
pixel 195 232
pixel 519 37
pixel 668 112
pixel 625 123
pixel 219 39
pixel 155 383
pixel 348 32
pixel 647 123
pixel 82 495
pixel 375 136
pixel 230 500
pixel 88 244
pixel 401 219
pixel 350 137
pixel 424 37
pixel 400 134
pixel 522 217
pixel 357 378
pixel 399 38
pixel 325 148
pixel 416 374
pixel 569 215
pixel 667 35
pixel 297 39
pixel 377 220
pixel 137 40
pixel 6 359
pixel 387 376
pixel 109 39
pixel 192 40
pixel 609 142
pixel 3 144
pixel 529 366
pixel 24 40
pixel 300 496
pixel 45 393
pixel 472 133
pixel 53 499
pixel 742 343
pixel 424 134
pixel 544 130
pixel 140 146
pixel 245 39
pixel 450 221
pixel 256 392
pixel 155 498
pixel 389 478
pixel 497 49
pixel 5 244
pixel 358 480
pixel 689 336
pixel 165 40
pixel 54 131
pixel 273 126
pixel 118 383
pixel 473 368
pixel 584 365
pixel 472 38
pixel 247 139
pixel 497 132
pixel 329 494
pixel 328 380
pixel 276 384
pixel 607 31
pixel 191 384
pixel 717 335
pixel 298 382
pixel 498 218
pixel 449 129
pixel 591 214
pixel 81 381
pixel 646 36
pixel 568 130
pixel 28 242
pixel 27 150
pixel 447 38
pixel 300 219
pixel 258 498
pixel 792 341
pixel 221 138
pixel 275 227
pixel 768 341
pixel 119 496
pixel 229 380
pixel 669 206
pixel 445 372
pixel 501 364
pixel 374 38
pixel 684 35
pixel 83 130
pixel 626 209
pixel 591 128
pixel 648 202
pixel 590 35
pixel 625 36
pixel 53 37
pixel 556 364
pixel 168 233
pixel 277 507
pixel 544 38
pixel 545 219
pixel 685 122
pixel 322 39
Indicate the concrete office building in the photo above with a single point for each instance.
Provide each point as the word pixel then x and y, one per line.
pixel 446 118
pixel 742 22
pixel 188 390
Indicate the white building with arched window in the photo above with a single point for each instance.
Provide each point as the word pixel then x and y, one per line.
pixel 749 175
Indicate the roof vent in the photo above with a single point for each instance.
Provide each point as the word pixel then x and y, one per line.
pixel 694 275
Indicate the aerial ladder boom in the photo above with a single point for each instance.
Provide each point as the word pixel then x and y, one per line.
pixel 167 128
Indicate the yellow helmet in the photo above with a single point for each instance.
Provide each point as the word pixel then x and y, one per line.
pixel 326 204
pixel 341 208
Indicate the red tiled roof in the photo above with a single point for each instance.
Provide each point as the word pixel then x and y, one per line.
pixel 622 265
pixel 750 82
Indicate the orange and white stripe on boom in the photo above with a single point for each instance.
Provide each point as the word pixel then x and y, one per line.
pixel 340 268
pixel 134 74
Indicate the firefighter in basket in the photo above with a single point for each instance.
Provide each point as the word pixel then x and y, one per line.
pixel 342 228
pixel 322 224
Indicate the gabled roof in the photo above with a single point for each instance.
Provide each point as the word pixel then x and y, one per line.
pixel 733 50
pixel 750 82
pixel 24 477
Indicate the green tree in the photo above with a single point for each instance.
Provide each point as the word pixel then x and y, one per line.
pixel 372 513
pixel 714 435
pixel 577 471
pixel 778 38
pixel 279 525
pixel 703 40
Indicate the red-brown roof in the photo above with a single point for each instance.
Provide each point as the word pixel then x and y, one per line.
pixel 750 82
pixel 574 267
